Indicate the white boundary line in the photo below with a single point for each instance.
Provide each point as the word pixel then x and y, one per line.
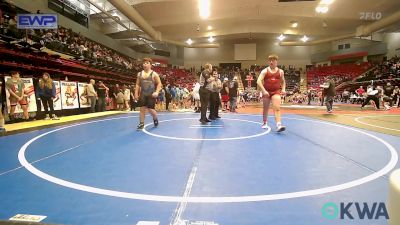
pixel 182 205
pixel 358 120
pixel 206 128
pixel 206 139
pixel 229 199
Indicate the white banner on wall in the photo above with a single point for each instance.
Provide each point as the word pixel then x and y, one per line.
pixel 29 93
pixel 57 100
pixel 83 99
pixel 69 95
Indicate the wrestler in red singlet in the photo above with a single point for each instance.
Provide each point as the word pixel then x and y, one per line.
pixel 272 84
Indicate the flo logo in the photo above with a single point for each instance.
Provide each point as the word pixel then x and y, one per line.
pixel 351 210
pixel 370 15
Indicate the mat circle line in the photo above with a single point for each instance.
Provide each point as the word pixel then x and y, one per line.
pixel 227 199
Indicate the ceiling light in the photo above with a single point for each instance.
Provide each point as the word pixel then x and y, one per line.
pixel 281 37
pixel 189 41
pixel 321 9
pixel 326 2
pixel 204 8
pixel 211 39
pixel 294 24
pixel 209 28
pixel 304 38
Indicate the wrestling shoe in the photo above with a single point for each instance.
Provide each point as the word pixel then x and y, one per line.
pixel 280 128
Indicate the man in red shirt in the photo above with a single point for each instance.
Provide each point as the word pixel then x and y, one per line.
pixel 272 84
pixel 360 91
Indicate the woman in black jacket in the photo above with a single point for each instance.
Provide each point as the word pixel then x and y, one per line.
pixel 46 91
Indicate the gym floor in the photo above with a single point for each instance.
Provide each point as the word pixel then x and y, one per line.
pixel 229 172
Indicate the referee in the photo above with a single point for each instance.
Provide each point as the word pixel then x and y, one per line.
pixel 206 80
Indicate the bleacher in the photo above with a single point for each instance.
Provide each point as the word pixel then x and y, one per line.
pixel 386 72
pixel 389 69
pixel 176 76
pixel 17 58
pixel 60 52
pixel 63 52
pixel 340 73
pixel 292 78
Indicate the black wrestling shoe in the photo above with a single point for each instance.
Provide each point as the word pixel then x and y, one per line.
pixel 155 122
pixel 203 121
pixel 280 128
pixel 140 126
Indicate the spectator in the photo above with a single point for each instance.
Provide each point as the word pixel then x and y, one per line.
pixel 102 93
pixel 120 99
pixel 46 91
pixel 214 97
pixel 196 97
pixel 2 129
pixel 360 91
pixel 92 95
pixel 225 94
pixel 396 95
pixel 168 96
pixel 345 96
pixel 372 94
pixel 309 96
pixel 329 93
pixel 127 97
pixel 233 94
pixel 387 96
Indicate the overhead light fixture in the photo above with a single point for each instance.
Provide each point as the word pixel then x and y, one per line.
pixel 294 24
pixel 211 39
pixel 281 37
pixel 204 8
pixel 326 2
pixel 189 41
pixel 304 38
pixel 321 9
pixel 209 28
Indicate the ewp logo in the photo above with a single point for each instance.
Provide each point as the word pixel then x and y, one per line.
pixel 37 21
pixel 364 211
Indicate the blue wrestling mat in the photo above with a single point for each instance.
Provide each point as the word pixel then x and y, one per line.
pixel 228 172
